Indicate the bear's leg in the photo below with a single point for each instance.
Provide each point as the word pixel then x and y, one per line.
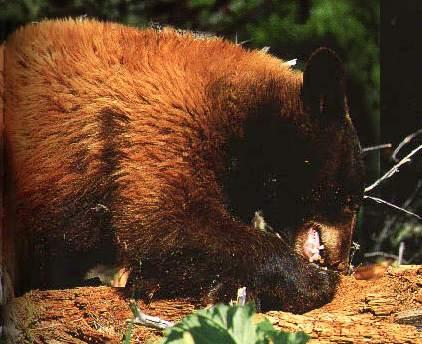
pixel 213 261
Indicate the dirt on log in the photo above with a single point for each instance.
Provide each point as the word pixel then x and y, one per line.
pixel 386 310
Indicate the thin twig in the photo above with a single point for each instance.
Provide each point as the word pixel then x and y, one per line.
pixel 382 254
pixel 394 169
pixel 389 224
pixel 414 257
pixel 291 63
pixel 401 252
pixel 406 140
pixel 353 249
pixel 378 147
pixel 380 200
pixel 386 255
pixel 245 42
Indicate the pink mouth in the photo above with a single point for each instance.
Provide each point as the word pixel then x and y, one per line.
pixel 312 246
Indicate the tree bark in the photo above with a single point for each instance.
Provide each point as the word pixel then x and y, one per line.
pixel 386 310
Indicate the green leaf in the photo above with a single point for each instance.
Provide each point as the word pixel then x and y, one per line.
pixel 227 324
pixel 291 338
pixel 266 333
pixel 128 334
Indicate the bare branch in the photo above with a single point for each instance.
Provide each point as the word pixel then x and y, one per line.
pixel 391 221
pixel 382 254
pixel 394 169
pixel 378 147
pixel 379 200
pixel 406 140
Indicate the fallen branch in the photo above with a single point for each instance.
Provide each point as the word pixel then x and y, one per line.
pixel 141 318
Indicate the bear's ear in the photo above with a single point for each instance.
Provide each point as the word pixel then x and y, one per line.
pixel 323 87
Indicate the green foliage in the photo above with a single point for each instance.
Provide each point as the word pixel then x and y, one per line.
pixel 21 11
pixel 128 334
pixel 407 230
pixel 230 325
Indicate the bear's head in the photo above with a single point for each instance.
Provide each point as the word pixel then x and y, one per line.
pixel 302 169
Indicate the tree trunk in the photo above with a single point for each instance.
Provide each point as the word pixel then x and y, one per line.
pixel 386 310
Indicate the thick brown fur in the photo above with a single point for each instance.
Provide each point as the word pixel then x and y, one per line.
pixel 125 145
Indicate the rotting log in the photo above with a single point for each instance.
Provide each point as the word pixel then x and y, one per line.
pixel 386 310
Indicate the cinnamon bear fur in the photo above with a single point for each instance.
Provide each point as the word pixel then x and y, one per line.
pixel 154 148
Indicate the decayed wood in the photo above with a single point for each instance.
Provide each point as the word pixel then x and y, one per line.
pixel 377 311
pixel 412 317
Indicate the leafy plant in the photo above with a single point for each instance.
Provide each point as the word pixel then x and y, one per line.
pixel 228 324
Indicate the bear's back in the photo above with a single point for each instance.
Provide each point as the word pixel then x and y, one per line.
pixel 84 97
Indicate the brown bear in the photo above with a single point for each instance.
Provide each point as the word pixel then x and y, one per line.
pixel 155 148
